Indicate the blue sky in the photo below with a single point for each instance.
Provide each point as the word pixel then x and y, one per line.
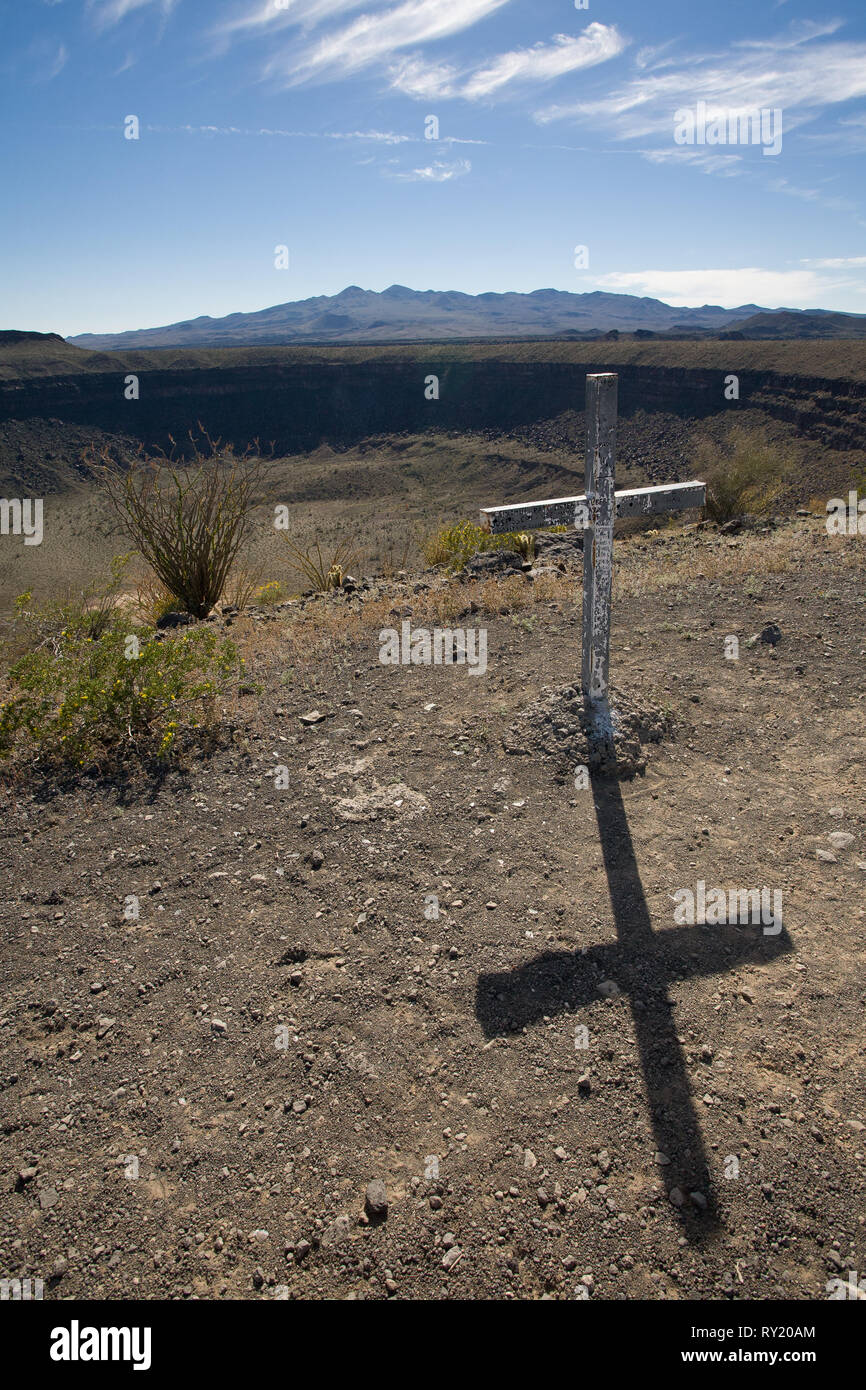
pixel 303 123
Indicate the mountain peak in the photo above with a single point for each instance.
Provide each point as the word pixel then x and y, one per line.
pixel 399 292
pixel 400 314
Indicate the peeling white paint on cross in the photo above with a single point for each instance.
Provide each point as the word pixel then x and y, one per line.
pixel 594 512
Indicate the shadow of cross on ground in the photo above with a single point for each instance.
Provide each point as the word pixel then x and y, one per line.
pixel 642 963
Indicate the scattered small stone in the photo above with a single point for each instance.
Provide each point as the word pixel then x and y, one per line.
pixel 337 1232
pixel 675 1197
pixel 450 1258
pixel 840 839
pixel 219 1026
pixel 376 1199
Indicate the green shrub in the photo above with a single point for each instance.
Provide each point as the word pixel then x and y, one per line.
pixel 743 476
pixel 86 702
pixel 272 592
pixel 454 545
pixel 90 612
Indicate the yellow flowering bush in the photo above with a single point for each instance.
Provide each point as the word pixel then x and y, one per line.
pixel 81 700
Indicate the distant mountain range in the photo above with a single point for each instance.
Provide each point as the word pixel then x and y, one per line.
pixel 399 315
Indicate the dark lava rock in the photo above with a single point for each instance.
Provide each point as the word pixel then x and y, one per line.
pixel 494 562
pixel 170 620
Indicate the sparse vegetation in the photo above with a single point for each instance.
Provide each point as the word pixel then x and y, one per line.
pixel 240 587
pixel 453 546
pixel 76 700
pixel 321 572
pixel 743 477
pixel 188 519
pixel 270 593
pixel 89 612
pixel 153 599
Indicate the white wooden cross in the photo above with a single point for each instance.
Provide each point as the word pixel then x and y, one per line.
pixel 594 512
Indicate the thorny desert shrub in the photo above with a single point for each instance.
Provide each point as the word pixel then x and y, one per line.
pixel 744 476
pixel 84 702
pixel 188 518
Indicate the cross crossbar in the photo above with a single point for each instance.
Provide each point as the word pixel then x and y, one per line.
pixel 574 511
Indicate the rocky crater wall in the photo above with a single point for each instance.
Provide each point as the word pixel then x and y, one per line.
pixel 299 406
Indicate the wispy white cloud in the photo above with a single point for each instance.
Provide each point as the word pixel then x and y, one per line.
pixel 836 262
pixel 812 195
pixel 417 78
pixel 728 287
pixel 61 58
pixel 543 62
pixel 799 31
pixel 47 58
pixel 265 15
pixel 384 137
pixel 373 38
pixel 708 161
pixel 108 13
pixel 796 72
pixel 437 172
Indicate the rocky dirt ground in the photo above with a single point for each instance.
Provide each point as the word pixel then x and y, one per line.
pixel 378 1000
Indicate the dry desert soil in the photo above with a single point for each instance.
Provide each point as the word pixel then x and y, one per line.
pixel 381 935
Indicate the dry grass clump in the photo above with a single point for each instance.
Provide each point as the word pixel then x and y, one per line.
pixel 673 559
pixel 326 570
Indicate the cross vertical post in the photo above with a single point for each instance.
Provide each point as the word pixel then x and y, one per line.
pixel 594 512
pixel 600 509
